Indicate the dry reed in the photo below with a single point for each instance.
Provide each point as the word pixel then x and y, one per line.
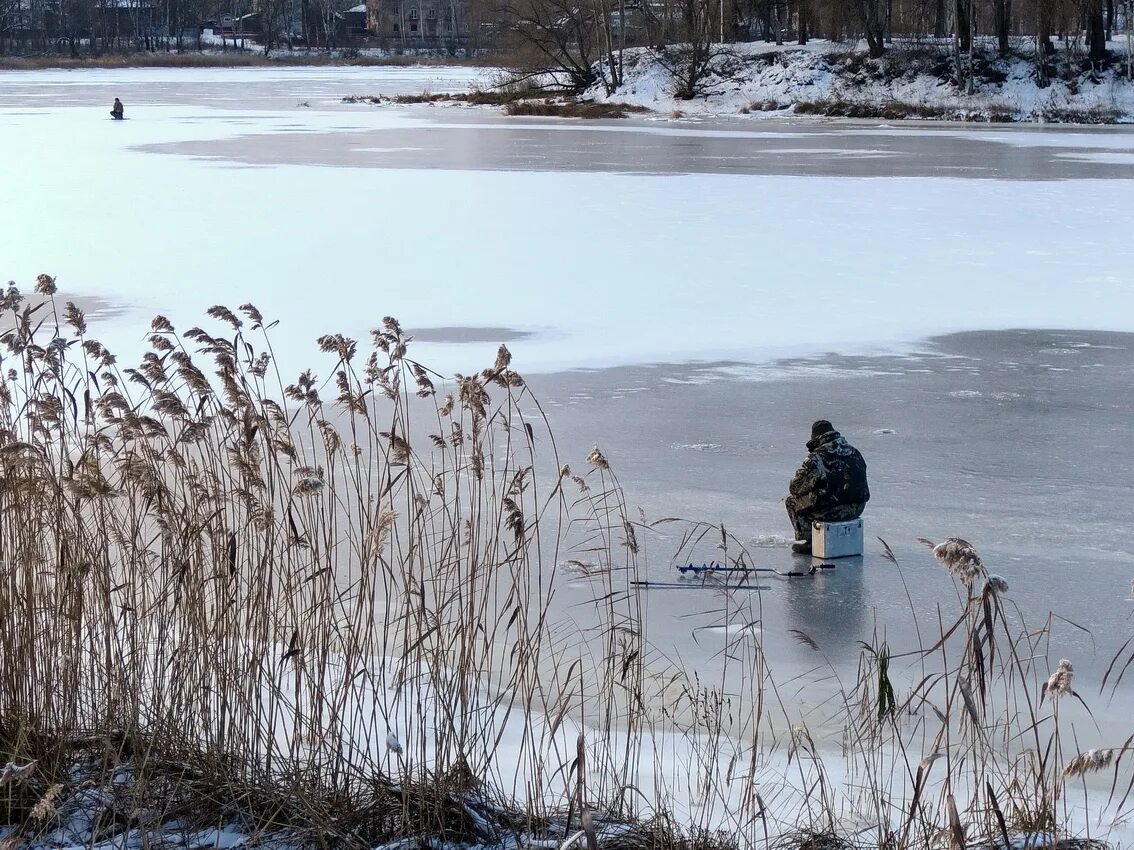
pixel 319 595
pixel 323 609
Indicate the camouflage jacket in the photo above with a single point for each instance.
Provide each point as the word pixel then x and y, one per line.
pixel 834 473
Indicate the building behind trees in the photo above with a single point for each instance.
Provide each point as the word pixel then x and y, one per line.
pixel 579 32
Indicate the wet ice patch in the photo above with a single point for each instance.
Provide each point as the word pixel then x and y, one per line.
pixel 1104 158
pixel 1095 345
pixel 406 149
pixel 999 395
pixel 581 569
pixel 1110 143
pixel 777 371
pixel 864 152
pixel 692 380
pixel 466 334
pixel 734 629
pixel 770 541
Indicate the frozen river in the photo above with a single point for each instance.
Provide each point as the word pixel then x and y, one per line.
pixel 903 282
pixel 608 244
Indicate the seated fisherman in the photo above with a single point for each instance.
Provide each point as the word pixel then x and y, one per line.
pixel 117 112
pixel 829 487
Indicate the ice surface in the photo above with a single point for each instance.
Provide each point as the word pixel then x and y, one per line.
pixel 1115 157
pixel 575 267
pixel 665 267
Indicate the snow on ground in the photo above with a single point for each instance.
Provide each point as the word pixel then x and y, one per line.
pixel 756 76
pixel 702 780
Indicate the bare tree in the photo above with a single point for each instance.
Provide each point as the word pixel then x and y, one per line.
pixel 963 44
pixel 611 73
pixel 689 62
pixel 962 25
pixel 75 18
pixel 1044 48
pixel 1096 31
pixel 1002 13
pixel 326 21
pixel 561 39
pixel 270 22
pixel 9 20
pixel 873 19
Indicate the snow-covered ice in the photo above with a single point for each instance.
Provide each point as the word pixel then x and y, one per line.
pixel 221 189
pixel 599 268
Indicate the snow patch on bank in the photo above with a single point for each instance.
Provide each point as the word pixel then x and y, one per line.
pixel 760 78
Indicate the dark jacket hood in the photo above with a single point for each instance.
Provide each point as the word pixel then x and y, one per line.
pixel 825 440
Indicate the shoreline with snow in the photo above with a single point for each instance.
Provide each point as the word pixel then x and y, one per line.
pixel 910 82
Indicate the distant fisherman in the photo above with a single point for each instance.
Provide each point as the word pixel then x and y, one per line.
pixel 830 486
pixel 117 112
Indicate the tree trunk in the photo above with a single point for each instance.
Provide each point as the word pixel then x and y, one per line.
pixel 962 26
pixel 1096 31
pixel 875 42
pixel 602 12
pixel 970 83
pixel 939 19
pixel 1002 10
pixel 874 26
pixel 1044 47
pixel 1128 14
pixel 621 34
pixel 729 15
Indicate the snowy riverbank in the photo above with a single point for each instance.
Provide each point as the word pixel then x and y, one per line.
pixel 830 79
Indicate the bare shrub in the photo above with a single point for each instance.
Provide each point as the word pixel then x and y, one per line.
pixel 572 109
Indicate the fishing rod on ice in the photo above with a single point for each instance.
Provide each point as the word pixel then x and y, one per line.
pixel 714 567
pixel 705 570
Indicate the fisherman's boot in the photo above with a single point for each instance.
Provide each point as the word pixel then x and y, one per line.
pixel 802 544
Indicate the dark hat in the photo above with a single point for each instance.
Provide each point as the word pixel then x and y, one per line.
pixel 820 427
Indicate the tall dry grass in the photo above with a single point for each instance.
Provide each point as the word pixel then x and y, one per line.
pixel 961 740
pixel 328 591
pixel 326 609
